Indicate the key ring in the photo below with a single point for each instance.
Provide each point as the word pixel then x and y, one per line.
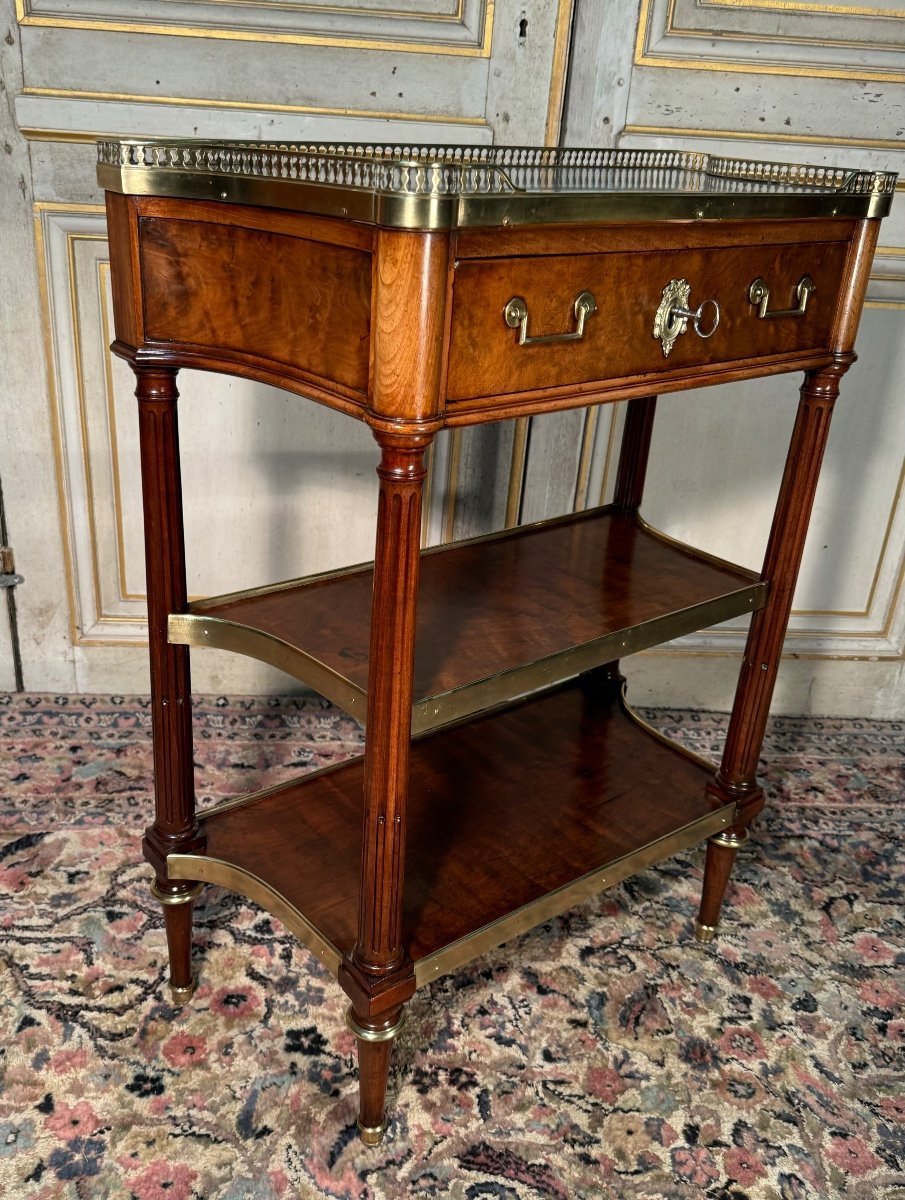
pixel 695 315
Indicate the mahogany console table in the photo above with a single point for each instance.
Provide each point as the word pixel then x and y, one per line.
pixel 418 288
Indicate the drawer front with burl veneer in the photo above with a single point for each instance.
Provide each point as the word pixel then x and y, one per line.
pixel 522 325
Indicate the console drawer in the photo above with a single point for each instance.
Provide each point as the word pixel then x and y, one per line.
pixel 618 338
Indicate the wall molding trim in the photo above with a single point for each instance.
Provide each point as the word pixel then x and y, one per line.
pixel 60 115
pixel 778 39
pixel 464 29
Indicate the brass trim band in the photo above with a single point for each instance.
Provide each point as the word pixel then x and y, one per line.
pixel 451 957
pixel 730 840
pixel 704 933
pixel 214 870
pixel 202 627
pixel 216 633
pixel 182 898
pixel 456 954
pixel 371 1135
pixel 435 214
pixel 200 630
pixel 634 716
pixel 373 1035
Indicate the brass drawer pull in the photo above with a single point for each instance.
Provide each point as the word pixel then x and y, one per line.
pixel 759 293
pixel 672 317
pixel 515 314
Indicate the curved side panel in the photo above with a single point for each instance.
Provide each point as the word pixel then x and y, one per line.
pixel 246 366
pixel 634 716
pixel 236 290
pixel 195 629
pixel 695 551
pixel 214 870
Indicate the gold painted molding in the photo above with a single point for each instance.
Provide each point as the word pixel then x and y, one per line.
pixel 585 458
pixel 76 326
pixel 803 6
pixel 745 135
pixel 644 58
pixel 452 485
pixel 250 105
pixel 68 206
pixel 881 557
pixel 481 50
pixel 56 431
pixel 104 293
pixel 60 135
pixel 518 462
pixel 562 39
pixel 64 515
pixel 75 307
pixel 896 597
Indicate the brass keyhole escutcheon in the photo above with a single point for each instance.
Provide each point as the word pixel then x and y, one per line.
pixel 672 316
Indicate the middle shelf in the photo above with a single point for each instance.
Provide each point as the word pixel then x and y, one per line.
pixel 498 616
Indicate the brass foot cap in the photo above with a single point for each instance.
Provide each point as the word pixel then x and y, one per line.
pixel 182 995
pixel 371 1135
pixel 704 933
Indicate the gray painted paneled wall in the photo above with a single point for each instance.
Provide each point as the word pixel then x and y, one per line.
pixel 754 77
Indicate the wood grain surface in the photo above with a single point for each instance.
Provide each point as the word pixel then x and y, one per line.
pixel 618 341
pixel 397 564
pixel 256 292
pixel 502 810
pixel 408 351
pixel 125 275
pixel 490 605
pixel 175 827
pixel 610 237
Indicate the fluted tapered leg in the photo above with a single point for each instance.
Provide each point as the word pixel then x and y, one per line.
pixel 736 779
pixel 175 827
pixel 379 956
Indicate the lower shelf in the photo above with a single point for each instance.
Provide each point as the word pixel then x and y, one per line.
pixel 513 817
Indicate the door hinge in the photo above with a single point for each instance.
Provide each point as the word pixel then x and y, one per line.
pixel 8 576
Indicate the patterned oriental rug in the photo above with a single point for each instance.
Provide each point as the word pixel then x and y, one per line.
pixel 605 1054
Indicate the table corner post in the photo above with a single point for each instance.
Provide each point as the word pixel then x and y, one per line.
pixel 175 826
pixel 736 780
pixel 635 452
pixel 380 975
